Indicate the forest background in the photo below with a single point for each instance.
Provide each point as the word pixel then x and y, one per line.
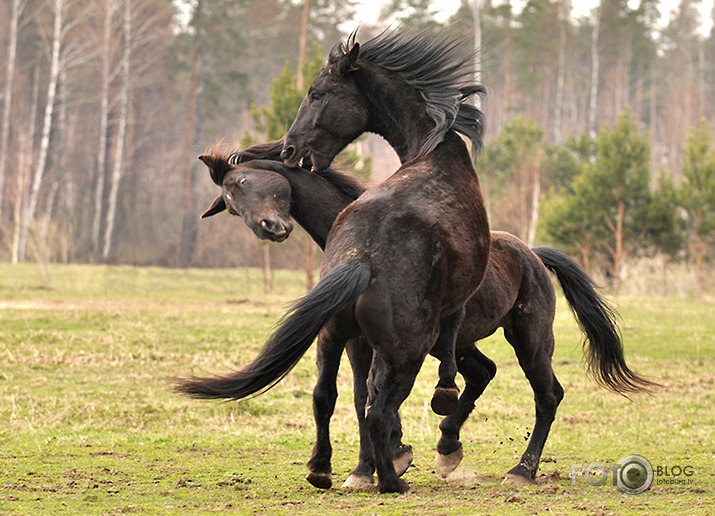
pixel 599 136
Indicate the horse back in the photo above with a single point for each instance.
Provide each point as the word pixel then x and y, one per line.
pixel 429 213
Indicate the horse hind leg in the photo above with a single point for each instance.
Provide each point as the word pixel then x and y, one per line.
pixel 445 399
pixel 478 370
pixel 548 393
pixel 389 386
pixel 360 356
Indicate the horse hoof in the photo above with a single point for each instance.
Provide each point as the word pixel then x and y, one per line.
pixel 320 480
pixel 518 480
pixel 400 487
pixel 445 464
pixel 403 459
pixel 359 482
pixel 445 401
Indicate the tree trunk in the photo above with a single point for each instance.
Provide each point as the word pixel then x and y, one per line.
pixel 699 252
pixel 592 128
pixel 561 75
pixel 46 129
pixel 15 13
pixel 618 254
pixel 189 227
pixel 302 44
pixel 118 164
pixel 535 201
pixel 267 277
pixel 109 6
pixel 21 168
pixel 300 84
pixel 507 69
pixel 476 6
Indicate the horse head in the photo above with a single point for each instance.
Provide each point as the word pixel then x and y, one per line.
pixel 254 192
pixel 333 113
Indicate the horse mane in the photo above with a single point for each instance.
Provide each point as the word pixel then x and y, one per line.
pixel 347 185
pixel 439 66
pixel 269 150
pixel 223 161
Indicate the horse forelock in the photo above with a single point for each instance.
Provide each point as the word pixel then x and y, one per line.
pixel 439 66
pixel 221 161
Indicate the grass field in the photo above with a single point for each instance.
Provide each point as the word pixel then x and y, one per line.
pixel 89 425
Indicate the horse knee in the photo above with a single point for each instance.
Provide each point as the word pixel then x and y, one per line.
pixel 324 399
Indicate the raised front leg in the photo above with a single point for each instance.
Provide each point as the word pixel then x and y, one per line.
pixel 477 370
pixel 446 395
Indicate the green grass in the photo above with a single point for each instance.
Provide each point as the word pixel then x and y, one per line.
pixel 88 422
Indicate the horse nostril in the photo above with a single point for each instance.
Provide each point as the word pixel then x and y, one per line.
pixel 268 225
pixel 288 154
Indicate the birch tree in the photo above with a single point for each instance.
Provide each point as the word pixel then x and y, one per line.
pixel 117 166
pixel 109 9
pixel 40 168
pixel 16 9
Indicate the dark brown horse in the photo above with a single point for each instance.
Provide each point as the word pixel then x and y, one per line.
pixel 403 259
pixel 516 293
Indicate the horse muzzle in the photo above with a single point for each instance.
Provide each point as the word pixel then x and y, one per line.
pixel 275 229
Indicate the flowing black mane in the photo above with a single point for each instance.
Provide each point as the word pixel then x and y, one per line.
pixel 224 161
pixel 439 66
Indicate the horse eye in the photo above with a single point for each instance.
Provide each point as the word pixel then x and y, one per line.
pixel 242 181
pixel 315 96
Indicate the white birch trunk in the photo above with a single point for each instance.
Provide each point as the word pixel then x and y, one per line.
pixel 41 163
pixel 477 6
pixel 117 167
pixel 109 6
pixel 15 12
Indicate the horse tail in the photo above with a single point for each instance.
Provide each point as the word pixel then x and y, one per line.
pixel 598 321
pixel 290 340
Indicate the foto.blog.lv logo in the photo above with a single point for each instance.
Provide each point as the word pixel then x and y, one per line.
pixel 633 474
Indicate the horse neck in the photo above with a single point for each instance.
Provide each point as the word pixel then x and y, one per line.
pixel 397 111
pixel 315 203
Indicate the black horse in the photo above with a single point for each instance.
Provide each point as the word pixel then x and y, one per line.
pixel 403 259
pixel 516 294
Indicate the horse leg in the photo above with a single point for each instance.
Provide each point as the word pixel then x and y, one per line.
pixel 389 386
pixel 534 352
pixel 446 395
pixel 360 356
pixel 477 370
pixel 325 395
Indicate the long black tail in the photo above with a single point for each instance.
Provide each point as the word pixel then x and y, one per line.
pixel 598 321
pixel 290 340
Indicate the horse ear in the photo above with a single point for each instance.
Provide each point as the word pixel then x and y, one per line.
pixel 216 207
pixel 348 61
pixel 213 163
pixel 208 160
